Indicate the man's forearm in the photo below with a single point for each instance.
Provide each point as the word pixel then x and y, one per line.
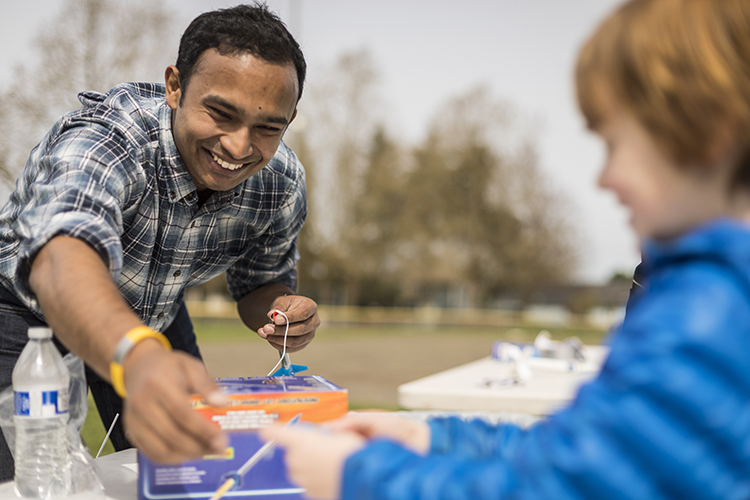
pixel 80 301
pixel 254 306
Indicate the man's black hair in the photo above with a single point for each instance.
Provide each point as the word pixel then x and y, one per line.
pixel 244 28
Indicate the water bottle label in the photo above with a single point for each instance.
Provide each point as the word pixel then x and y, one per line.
pixel 41 403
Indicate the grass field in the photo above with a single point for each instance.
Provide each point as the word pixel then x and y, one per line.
pixel 371 361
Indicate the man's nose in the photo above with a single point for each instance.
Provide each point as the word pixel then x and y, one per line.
pixel 239 143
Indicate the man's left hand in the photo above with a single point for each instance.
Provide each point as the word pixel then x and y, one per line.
pixel 302 313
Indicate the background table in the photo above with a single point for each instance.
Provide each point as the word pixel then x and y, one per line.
pixel 483 386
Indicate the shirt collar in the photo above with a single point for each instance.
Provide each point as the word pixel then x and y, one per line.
pixel 173 170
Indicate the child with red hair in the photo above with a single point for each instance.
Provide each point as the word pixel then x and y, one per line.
pixel 666 85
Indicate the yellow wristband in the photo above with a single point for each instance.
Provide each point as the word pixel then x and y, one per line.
pixel 124 346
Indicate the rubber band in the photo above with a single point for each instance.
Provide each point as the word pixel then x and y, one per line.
pixel 283 352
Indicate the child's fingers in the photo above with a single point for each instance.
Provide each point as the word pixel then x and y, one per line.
pixel 353 422
pixel 282 434
pixel 368 424
pixel 274 432
pixel 314 458
pixel 410 433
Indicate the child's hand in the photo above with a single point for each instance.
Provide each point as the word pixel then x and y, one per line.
pixel 412 434
pixel 314 458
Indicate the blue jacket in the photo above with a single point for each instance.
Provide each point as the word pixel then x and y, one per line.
pixel 667 417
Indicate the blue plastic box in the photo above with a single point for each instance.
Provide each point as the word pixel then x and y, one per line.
pixel 254 403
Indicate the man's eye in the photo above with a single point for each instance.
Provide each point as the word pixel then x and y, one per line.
pixel 221 113
pixel 269 129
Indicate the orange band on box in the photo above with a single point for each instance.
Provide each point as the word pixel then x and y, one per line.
pixel 124 346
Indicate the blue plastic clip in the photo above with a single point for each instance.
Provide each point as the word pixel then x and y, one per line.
pixel 287 368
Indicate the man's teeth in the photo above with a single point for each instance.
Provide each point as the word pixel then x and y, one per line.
pixel 226 164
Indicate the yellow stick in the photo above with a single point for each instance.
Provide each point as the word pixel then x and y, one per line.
pixel 229 483
pixel 224 488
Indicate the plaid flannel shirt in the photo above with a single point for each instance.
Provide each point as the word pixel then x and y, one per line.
pixel 110 175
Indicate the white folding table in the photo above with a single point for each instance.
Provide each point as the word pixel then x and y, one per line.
pixel 485 385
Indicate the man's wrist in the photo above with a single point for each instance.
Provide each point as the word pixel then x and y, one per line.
pixel 124 346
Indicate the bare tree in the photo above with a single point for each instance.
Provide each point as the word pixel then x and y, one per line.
pixel 90 45
pixel 337 118
pixel 468 209
pixel 479 214
pixel 340 109
pixel 377 221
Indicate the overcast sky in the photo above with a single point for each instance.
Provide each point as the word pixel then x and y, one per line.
pixel 430 50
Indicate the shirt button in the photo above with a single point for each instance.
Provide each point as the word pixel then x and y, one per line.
pixel 160 316
pixel 172 195
pixel 177 273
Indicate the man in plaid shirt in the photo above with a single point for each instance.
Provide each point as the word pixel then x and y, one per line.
pixel 145 191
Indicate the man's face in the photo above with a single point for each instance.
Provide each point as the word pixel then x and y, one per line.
pixel 228 122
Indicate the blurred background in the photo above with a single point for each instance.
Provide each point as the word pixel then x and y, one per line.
pixel 452 183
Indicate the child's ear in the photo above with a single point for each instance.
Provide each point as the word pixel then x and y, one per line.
pixel 723 146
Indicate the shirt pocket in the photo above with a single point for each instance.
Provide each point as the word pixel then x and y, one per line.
pixel 224 242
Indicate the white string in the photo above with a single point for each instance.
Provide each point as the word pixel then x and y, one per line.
pixel 112 426
pixel 283 352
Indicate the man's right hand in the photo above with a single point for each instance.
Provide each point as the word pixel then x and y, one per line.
pixel 89 316
pixel 158 417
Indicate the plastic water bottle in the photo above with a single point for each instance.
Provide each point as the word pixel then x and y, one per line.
pixel 40 385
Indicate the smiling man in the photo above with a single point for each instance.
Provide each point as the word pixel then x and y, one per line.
pixel 229 125
pixel 149 189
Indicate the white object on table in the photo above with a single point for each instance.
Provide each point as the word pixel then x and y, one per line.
pixel 118 473
pixel 484 385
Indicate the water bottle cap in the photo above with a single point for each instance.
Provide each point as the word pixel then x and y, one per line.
pixel 40 332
